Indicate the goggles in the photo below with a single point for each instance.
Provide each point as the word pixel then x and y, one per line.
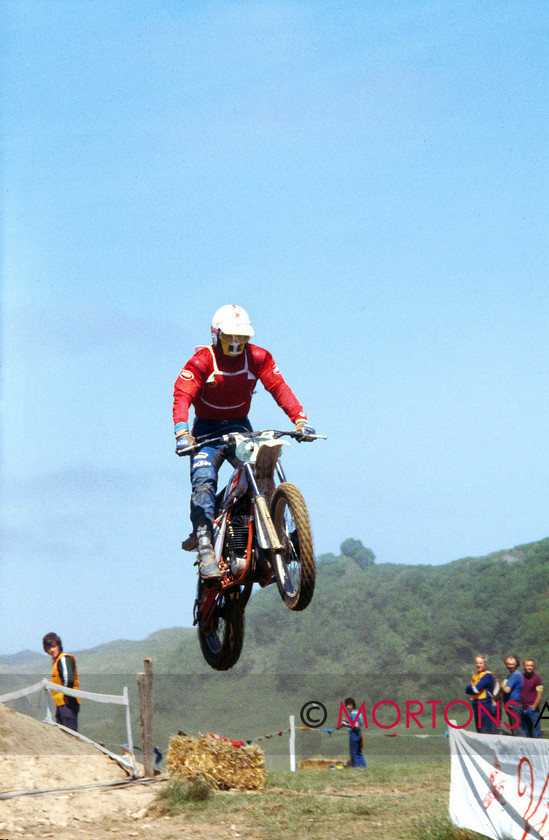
pixel 233 345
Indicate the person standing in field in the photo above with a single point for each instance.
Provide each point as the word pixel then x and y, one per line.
pixel 481 688
pixel 511 688
pixel 356 737
pixel 63 672
pixel 531 694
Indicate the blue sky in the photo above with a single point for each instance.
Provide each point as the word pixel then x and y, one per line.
pixel 368 179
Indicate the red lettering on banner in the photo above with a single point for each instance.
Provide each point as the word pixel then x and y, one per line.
pixel 531 809
pixel 496 787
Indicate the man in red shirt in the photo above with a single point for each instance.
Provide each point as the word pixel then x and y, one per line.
pixel 218 381
pixel 530 698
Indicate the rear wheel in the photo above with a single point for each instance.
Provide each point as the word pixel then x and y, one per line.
pixel 294 567
pixel 220 616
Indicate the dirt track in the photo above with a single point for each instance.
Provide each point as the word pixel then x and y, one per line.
pixel 37 756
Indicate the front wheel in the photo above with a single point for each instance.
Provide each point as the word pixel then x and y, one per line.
pixel 220 618
pixel 294 567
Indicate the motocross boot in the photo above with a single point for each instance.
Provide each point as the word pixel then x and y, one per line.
pixel 207 566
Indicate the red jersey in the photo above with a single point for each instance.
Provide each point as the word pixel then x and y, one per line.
pixel 220 387
pixel 529 692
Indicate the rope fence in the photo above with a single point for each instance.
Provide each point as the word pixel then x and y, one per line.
pixel 292 729
pixel 389 734
pixel 118 699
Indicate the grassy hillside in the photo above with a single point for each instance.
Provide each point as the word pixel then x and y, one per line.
pixel 413 619
pixel 379 632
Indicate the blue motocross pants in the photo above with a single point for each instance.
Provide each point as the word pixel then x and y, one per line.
pixel 205 465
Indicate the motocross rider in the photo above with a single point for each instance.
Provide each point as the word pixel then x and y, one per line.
pixel 218 381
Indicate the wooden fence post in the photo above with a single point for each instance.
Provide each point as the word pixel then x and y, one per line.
pixel 146 715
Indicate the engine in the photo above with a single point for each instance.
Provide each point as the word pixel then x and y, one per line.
pixel 236 536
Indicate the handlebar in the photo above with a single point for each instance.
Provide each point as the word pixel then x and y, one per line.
pixel 230 438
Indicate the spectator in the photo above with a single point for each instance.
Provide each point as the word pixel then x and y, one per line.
pixel 532 690
pixel 356 738
pixel 481 688
pixel 63 672
pixel 511 688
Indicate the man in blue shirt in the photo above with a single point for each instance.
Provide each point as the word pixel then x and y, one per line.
pixel 511 688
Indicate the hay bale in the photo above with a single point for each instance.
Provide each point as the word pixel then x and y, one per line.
pixel 226 766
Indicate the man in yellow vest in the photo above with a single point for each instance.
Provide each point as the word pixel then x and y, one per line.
pixel 482 688
pixel 63 672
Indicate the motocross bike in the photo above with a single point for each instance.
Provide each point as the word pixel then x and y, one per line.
pixel 261 535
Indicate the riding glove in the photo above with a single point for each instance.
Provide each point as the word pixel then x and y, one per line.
pixel 304 430
pixel 183 439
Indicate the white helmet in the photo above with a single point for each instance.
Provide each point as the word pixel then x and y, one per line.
pixel 231 327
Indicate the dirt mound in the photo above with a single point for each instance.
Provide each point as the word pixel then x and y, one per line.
pixel 23 735
pixel 54 786
pixel 36 756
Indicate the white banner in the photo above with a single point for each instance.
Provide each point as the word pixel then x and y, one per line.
pixel 500 785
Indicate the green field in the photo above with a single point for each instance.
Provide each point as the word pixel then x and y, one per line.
pixel 389 800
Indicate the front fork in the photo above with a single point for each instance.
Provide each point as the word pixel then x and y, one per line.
pixel 280 471
pixel 266 533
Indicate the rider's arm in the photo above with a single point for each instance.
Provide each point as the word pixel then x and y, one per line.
pixel 274 383
pixel 188 384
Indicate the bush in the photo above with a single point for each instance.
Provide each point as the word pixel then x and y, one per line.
pixel 177 795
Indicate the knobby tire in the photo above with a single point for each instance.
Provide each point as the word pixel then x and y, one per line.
pixel 295 566
pixel 222 647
